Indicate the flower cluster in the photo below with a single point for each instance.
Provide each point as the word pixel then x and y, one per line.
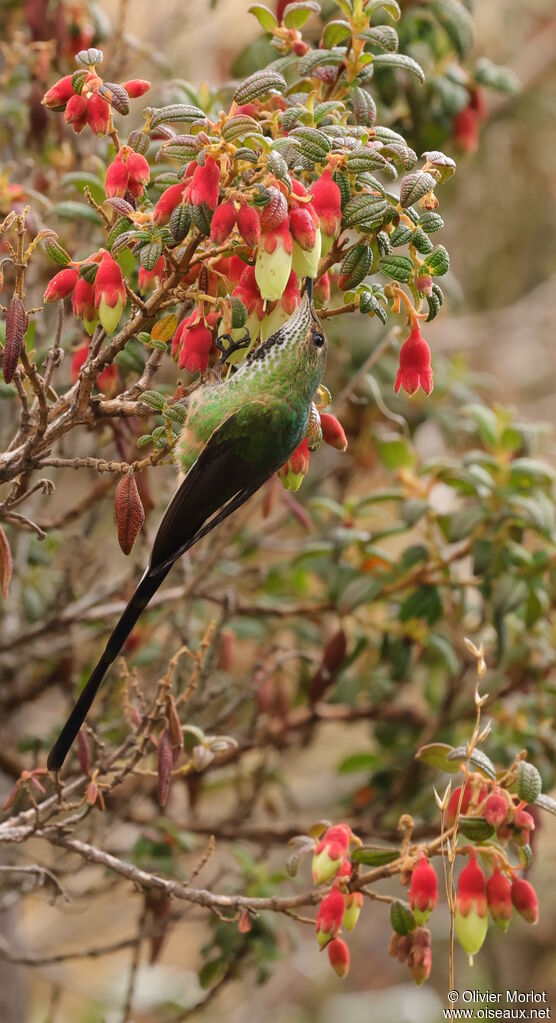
pixel 97 289
pixel 476 896
pixel 129 172
pixel 341 907
pixel 86 99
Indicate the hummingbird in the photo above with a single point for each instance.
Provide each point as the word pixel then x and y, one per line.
pixel 237 433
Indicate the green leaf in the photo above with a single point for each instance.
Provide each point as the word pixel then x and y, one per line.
pixel 395 452
pixel 438 263
pixel 364 211
pixel 528 782
pixel 435 754
pixel 478 760
pixel 359 762
pixel 375 855
pixel 392 7
pixel 530 472
pixel 296 14
pixel 475 828
pixel 401 918
pixel 82 180
pixel 362 590
pixel 486 422
pixel 444 165
pixel 210 972
pixel 383 36
pixel 414 186
pixel 546 803
pixel 69 210
pixel 496 77
pixel 431 222
pixel 266 18
pixel 456 22
pixel 399 268
pixel 335 32
pixel 402 61
pixel 423 603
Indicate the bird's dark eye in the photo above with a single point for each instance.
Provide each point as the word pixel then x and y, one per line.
pixel 318 339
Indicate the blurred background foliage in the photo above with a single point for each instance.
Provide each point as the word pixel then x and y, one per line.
pixel 437 523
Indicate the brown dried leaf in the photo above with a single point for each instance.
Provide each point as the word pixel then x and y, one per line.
pixel 176 733
pixel 129 512
pixel 164 762
pixel 6 564
pixel 83 753
pixel 332 658
pixel 16 325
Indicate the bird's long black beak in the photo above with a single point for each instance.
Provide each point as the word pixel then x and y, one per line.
pixel 309 288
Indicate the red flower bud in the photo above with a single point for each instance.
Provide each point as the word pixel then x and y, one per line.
pixel 62 284
pixel 138 169
pixel 205 183
pixel 110 294
pixel 499 898
pixel 247 290
pixel 454 803
pixel 193 340
pixel 247 108
pixel 354 902
pixel 424 284
pixel 330 916
pixel 83 302
pixel 333 431
pixel 136 87
pixel 249 225
pixel 58 95
pixel 168 201
pixel 117 179
pixel 423 892
pixel 496 809
pixel 415 364
pixel 525 900
pixel 105 380
pixel 98 114
pixel 302 227
pixel 223 222
pixel 327 200
pixel 525 823
pixel 338 955
pixel 471 918
pixel 76 112
pixel 292 474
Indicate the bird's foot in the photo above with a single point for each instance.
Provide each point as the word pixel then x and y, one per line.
pixel 232 345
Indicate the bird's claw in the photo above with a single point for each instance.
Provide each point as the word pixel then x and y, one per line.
pixel 232 346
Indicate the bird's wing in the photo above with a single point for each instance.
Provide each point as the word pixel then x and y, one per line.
pixel 225 475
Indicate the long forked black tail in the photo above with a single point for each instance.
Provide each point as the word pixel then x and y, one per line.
pixel 143 594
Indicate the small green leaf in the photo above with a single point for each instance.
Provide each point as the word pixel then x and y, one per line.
pixel 438 263
pixel 392 7
pixel 496 77
pixel 528 781
pixel 375 855
pixel 266 18
pixel 395 453
pixel 82 180
pixel 414 186
pixel 423 603
pixel 475 828
pixel 69 210
pixel 335 32
pixel 456 22
pixel 402 61
pixel 296 14
pixel 435 754
pixel 478 760
pixel 359 762
pixel 444 165
pixel 401 918
pixel 362 590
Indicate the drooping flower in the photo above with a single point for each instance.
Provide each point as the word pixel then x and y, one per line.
pixel 138 169
pixel 117 179
pixel 62 284
pixel 98 114
pixel 274 261
pixel 415 364
pixel 329 917
pixel 331 851
pixel 76 112
pixel 495 809
pixel 524 824
pixel 223 222
pixel 110 294
pixel 58 95
pixel 499 898
pixel 168 201
pixel 333 431
pixel 249 225
pixel 327 200
pixel 524 898
pixel 293 473
pixel 83 303
pixel 192 342
pixel 136 87
pixel 423 892
pixel 471 918
pixel 338 956
pixel 354 902
pixel 205 183
pixel 454 802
